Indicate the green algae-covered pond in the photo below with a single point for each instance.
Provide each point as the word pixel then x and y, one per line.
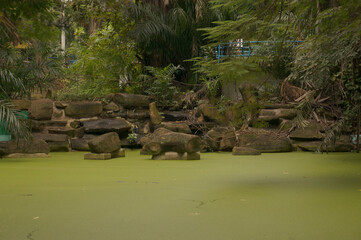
pixel 272 196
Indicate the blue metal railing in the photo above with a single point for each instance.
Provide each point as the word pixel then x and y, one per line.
pixel 247 48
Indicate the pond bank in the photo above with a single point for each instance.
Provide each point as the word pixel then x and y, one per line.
pixel 272 196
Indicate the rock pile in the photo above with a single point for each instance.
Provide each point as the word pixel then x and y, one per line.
pixel 168 134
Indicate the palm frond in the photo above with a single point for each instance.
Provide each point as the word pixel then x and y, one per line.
pixel 10 122
pixel 332 134
pixel 10 85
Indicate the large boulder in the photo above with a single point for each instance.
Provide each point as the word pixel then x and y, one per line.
pixel 41 109
pixel 245 151
pixel 265 141
pixel 275 114
pixel 118 125
pixel 164 140
pixel 84 109
pixel 220 139
pixel 342 144
pixel 106 143
pixel 22 146
pixel 211 113
pixel 131 101
pixel 311 132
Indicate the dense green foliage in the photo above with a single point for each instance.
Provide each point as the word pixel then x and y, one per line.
pixel 133 46
pixel 327 63
pixel 105 57
pixel 28 55
pixel 160 84
pixel 168 34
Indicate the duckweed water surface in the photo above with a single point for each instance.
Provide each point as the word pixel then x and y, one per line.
pixel 268 197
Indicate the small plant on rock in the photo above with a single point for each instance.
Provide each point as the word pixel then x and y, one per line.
pixel 132 138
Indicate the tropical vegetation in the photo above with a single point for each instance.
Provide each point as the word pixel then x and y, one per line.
pixel 134 46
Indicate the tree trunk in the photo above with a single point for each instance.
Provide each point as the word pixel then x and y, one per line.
pixel 358 130
pixel 317 29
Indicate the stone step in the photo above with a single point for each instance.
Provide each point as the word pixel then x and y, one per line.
pixel 70 132
pixel 51 137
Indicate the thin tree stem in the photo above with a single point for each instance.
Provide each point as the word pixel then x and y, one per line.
pixel 358 130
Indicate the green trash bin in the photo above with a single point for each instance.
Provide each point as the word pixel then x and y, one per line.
pixel 5 135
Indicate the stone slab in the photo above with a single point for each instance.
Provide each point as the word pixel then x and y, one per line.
pixel 97 156
pixel 27 155
pixel 192 156
pixel 118 154
pixel 245 151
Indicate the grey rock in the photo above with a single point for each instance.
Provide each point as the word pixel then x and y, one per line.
pixel 107 125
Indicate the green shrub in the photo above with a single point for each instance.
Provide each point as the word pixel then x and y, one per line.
pixel 160 83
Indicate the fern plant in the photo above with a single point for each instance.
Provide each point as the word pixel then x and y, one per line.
pixel 161 83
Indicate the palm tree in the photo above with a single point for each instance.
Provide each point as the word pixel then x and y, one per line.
pixel 166 31
pixel 9 116
pixel 17 55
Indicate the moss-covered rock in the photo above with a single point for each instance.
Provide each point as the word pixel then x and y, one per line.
pixel 22 146
pixel 130 101
pixel 264 140
pixel 41 109
pixel 84 109
pixel 220 139
pixel 311 132
pixel 118 125
pixel 106 143
pixel 245 151
pixel 211 113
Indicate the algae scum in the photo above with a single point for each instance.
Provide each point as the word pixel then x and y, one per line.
pixel 272 196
